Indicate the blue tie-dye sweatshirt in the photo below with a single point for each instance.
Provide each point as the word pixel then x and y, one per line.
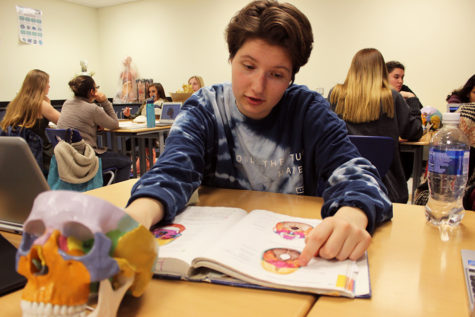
pixel 301 147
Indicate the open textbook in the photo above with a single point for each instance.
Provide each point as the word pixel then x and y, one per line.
pixel 257 249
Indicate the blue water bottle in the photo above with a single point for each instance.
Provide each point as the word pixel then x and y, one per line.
pixel 150 113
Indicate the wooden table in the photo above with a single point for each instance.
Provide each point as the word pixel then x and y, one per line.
pixel 139 135
pixel 181 298
pixel 413 272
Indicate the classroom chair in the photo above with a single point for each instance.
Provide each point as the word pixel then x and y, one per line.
pixel 378 150
pixel 71 136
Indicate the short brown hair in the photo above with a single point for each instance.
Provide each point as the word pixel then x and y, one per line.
pixel 394 64
pixel 277 23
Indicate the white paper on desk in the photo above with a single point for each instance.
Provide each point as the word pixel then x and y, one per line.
pixel 131 125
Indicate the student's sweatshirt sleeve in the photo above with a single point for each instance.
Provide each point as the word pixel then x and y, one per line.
pixel 179 169
pixel 350 180
pixel 357 184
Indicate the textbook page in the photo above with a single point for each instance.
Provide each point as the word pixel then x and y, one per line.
pixel 263 248
pixel 190 234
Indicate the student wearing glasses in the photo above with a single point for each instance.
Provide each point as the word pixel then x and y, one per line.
pixel 88 111
pixel 263 132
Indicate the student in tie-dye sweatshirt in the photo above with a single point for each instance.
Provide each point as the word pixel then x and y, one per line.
pixel 262 132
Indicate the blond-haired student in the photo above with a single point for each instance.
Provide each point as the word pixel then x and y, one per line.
pixel 31 110
pixel 370 107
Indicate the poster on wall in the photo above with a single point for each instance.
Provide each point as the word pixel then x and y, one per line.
pixel 30 25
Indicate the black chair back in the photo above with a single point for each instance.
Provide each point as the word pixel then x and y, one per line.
pixel 379 150
pixel 68 135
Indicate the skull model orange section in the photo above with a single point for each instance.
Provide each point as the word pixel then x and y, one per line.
pixel 66 282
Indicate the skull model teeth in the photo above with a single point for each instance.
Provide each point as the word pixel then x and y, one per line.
pixel 48 310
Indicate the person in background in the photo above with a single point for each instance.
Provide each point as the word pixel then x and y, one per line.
pixel 31 108
pixel 369 107
pixel 396 72
pixel 196 82
pixel 83 114
pixel 156 92
pixel 263 132
pixel 465 94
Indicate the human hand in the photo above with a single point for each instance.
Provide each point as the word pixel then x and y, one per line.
pixel 146 211
pixel 407 94
pixel 99 96
pixel 342 236
pixel 126 112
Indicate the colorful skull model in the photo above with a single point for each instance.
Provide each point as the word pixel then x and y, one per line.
pixel 71 241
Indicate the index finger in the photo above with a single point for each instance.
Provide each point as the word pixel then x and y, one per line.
pixel 315 240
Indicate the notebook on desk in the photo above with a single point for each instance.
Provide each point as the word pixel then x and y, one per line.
pixel 21 180
pixel 169 112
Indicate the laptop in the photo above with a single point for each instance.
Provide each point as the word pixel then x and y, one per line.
pixel 468 263
pixel 21 180
pixel 10 280
pixel 169 112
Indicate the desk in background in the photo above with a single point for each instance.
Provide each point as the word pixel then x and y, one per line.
pixel 417 148
pixel 138 134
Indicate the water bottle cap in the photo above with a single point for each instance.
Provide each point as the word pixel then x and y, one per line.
pixel 451 117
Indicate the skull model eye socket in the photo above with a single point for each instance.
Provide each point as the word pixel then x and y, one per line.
pixel 35 227
pixel 77 230
pixel 76 239
pixel 70 228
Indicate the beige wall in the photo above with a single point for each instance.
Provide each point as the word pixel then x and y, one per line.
pixel 169 40
pixel 70 34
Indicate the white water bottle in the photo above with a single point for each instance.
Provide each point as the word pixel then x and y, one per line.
pixel 448 172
